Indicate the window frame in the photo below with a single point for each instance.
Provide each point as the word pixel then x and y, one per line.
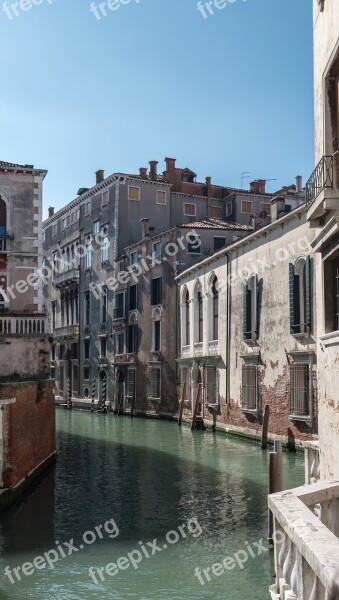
pixel 134 187
pixel 151 394
pixel 245 212
pixel 186 214
pixel 165 194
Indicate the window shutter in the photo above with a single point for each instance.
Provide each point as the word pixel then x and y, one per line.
pixel 291 276
pixel 308 292
pixel 245 324
pixel 256 311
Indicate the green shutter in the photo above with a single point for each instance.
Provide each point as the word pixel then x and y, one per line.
pixel 291 274
pixel 245 327
pixel 256 300
pixel 308 292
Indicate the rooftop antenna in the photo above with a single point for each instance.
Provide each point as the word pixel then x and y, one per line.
pixel 244 175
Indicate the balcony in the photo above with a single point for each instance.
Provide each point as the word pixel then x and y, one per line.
pixel 198 349
pixel 103 361
pixel 69 331
pixel 4 246
pixel 186 351
pixel 23 325
pixel 70 276
pixel 307 545
pixel 213 348
pixel 321 193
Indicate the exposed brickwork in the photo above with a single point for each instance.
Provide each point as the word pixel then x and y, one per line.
pixel 29 428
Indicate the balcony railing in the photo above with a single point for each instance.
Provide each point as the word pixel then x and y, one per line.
pixel 186 351
pixel 67 331
pixel 70 276
pixel 198 349
pixel 320 180
pixel 306 534
pixel 23 325
pixel 213 348
pixel 3 243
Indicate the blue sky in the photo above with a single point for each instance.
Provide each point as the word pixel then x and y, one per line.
pixel 223 95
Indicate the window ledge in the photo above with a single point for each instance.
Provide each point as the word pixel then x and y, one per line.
pixel 329 339
pixel 307 420
pixel 250 411
pixel 154 399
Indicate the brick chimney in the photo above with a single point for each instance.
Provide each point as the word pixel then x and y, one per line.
pixel 51 211
pixel 153 169
pixel 145 228
pixel 143 172
pixel 278 208
pixel 258 186
pixel 100 176
pixel 170 164
pixel 208 186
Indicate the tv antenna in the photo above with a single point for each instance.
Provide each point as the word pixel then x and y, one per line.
pixel 244 175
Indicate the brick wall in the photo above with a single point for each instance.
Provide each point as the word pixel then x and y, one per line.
pixel 28 428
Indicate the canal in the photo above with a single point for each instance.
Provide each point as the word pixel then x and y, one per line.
pixel 153 502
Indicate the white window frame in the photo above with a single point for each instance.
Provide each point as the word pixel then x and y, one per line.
pixel 161 192
pixel 88 255
pixel 219 209
pixel 96 227
pixel 245 212
pixel 190 214
pixel 88 206
pixel 265 204
pixel 54 229
pixel 135 187
pixel 129 371
pixel 104 248
pixel 151 395
pixel 105 198
pixel 117 344
pixel 156 259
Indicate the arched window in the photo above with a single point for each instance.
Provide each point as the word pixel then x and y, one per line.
pixel 198 313
pixel 215 309
pixel 250 309
pixel 300 296
pixel 187 319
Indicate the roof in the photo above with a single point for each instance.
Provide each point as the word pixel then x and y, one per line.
pixel 210 223
pixel 11 166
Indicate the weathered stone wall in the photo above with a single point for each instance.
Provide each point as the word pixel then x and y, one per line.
pixel 23 357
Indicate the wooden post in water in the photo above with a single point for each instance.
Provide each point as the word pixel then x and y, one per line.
pixel 265 427
pixel 274 485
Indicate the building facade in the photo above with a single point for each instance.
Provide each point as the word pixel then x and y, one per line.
pixel 26 390
pixel 145 315
pixel 248 328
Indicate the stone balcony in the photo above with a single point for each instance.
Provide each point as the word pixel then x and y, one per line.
pixel 186 352
pixel 65 278
pixel 306 528
pixel 322 194
pixel 68 331
pixel 198 349
pixel 24 325
pixel 213 348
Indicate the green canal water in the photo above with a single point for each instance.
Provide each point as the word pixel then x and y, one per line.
pixel 191 499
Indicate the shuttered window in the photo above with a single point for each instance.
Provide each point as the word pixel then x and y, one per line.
pixel 250 387
pixel 250 309
pixel 130 383
pixel 154 383
pixel 300 389
pixel 133 193
pixel 300 297
pixel 211 385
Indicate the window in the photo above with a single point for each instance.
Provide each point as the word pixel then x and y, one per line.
pixel 133 259
pixel 120 343
pixel 198 306
pixel 130 383
pixel 104 305
pixel 104 247
pixel 219 242
pixel 53 306
pixel 132 342
pixel 155 382
pixel 300 296
pixel 250 387
pixel 229 209
pixel 87 209
pixel 88 255
pixel 331 292
pixel 77 214
pixel 215 310
pixel 336 294
pixel 103 348
pixel 211 384
pixel 54 229
pixel 193 244
pixel 190 210
pixel 96 227
pixel 133 297
pixel 187 320
pixel 87 309
pixel 247 207
pixel 105 196
pixel 161 197
pixel 265 210
pixel 121 266
pixel 119 312
pixel 133 193
pixel 87 349
pixel 156 291
pixel 62 352
pixel 73 217
pixel 156 333
pixel 250 309
pixel 53 352
pixel 216 212
pixel 156 253
pixel 87 372
pixel 301 390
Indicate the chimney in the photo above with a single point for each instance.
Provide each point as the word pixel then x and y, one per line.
pixel 278 208
pixel 144 228
pixel 170 164
pixel 208 186
pixel 143 172
pixel 153 169
pixel 258 186
pixel 299 184
pixel 51 211
pixel 100 176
